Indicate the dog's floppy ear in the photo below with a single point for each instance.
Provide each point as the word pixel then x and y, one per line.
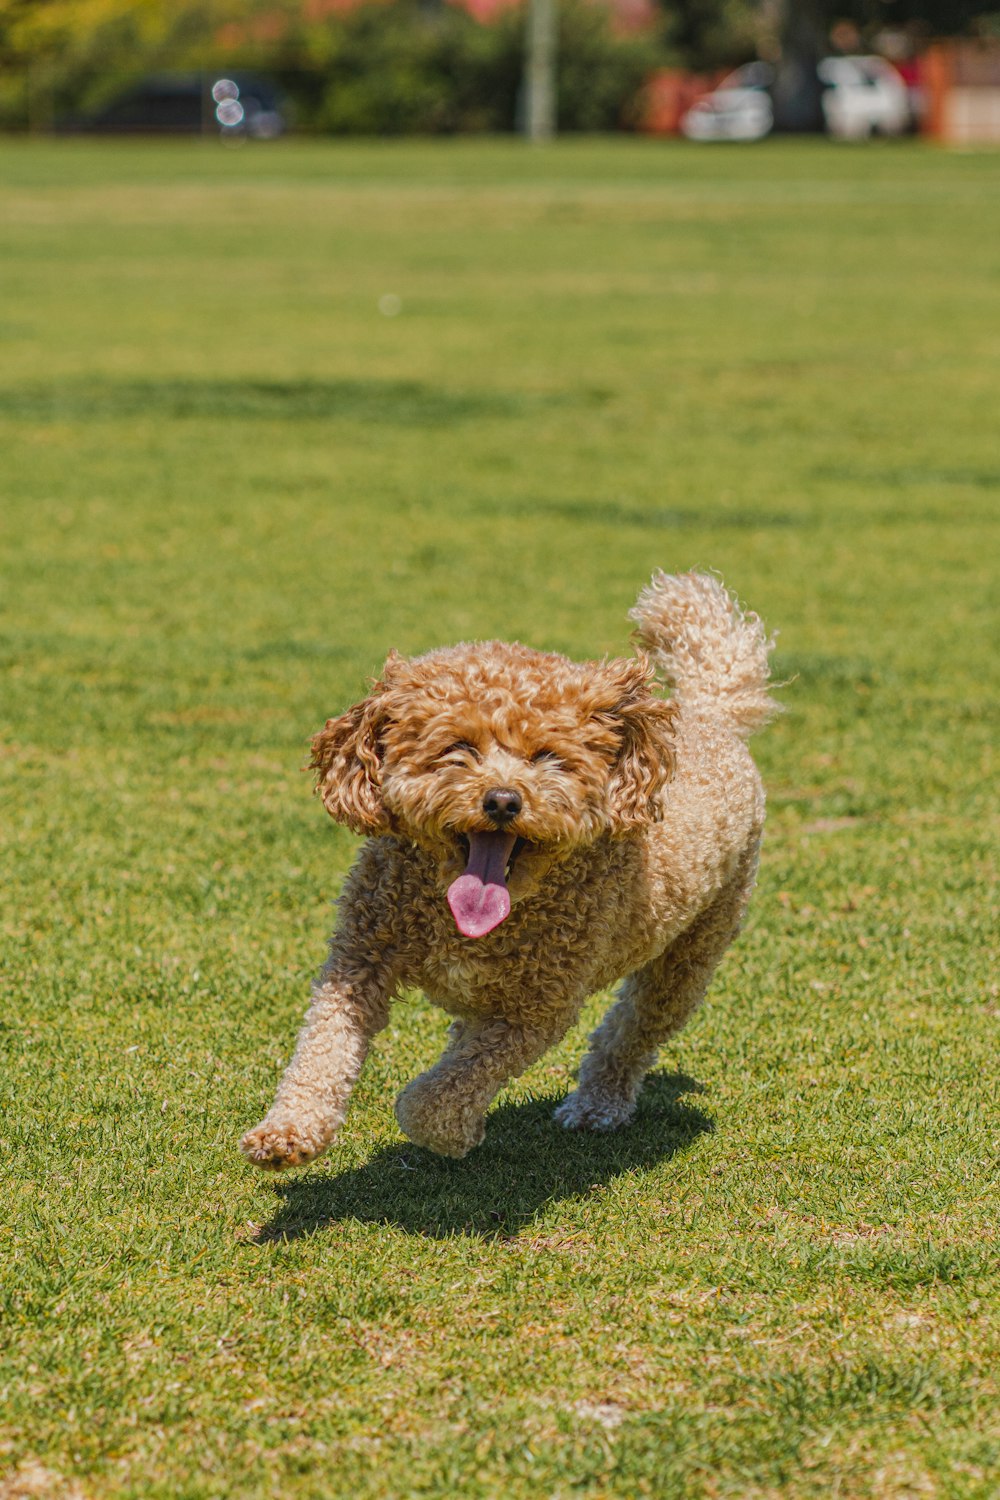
pixel 347 759
pixel 646 759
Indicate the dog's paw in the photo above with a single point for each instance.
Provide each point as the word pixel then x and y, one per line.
pixel 426 1119
pixel 588 1111
pixel 275 1144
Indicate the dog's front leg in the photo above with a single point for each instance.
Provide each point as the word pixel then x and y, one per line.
pixel 348 1008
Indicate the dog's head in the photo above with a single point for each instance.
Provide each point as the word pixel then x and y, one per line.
pixel 498 760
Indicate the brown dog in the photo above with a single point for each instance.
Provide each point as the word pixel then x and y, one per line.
pixel 538 828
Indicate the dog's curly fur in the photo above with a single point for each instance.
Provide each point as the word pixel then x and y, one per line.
pixel 639 826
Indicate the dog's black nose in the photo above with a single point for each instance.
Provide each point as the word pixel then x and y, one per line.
pixel 501 805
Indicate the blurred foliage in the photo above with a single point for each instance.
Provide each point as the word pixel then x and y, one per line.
pixel 379 68
pixel 929 17
pixel 400 66
pixel 59 55
pixel 708 34
pixel 403 68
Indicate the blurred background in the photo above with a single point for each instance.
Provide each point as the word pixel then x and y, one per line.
pixel 711 69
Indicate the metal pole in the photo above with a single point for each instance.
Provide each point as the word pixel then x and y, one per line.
pixel 540 71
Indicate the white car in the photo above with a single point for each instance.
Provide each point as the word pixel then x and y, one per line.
pixel 862 97
pixel 738 110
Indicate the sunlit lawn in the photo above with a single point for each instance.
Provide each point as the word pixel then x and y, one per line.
pixel 230 483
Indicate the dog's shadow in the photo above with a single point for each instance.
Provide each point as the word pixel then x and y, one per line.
pixel 526 1162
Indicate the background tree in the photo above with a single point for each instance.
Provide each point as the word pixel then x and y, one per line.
pixel 710 34
pixel 58 53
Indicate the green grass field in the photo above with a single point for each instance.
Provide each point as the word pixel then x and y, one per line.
pixel 230 484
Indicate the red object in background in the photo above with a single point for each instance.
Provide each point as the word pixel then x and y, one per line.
pixel 909 70
pixel 961 79
pixel 670 93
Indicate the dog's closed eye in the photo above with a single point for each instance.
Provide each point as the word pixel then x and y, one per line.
pixel 546 757
pixel 456 753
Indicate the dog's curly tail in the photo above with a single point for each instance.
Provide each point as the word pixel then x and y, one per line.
pixel 713 654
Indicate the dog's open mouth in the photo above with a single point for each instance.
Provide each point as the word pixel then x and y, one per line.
pixel 479 899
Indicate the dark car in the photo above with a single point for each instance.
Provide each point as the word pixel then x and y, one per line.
pixel 189 104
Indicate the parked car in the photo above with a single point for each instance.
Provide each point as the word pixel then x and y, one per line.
pixel 862 97
pixel 189 104
pixel 738 110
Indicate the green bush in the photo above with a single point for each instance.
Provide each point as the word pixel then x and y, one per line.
pixel 601 74
pixel 400 68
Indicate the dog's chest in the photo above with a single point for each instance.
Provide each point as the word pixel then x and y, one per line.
pixel 457 984
pixel 490 979
pixel 540 963
pixel 512 971
pixel 591 920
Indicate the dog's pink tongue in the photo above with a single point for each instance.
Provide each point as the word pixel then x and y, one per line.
pixel 479 899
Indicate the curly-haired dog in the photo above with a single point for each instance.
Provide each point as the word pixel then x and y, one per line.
pixel 538 828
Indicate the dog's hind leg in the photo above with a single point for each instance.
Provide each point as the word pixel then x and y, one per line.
pixel 654 1002
pixel 443 1109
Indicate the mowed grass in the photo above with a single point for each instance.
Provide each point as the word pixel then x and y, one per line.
pixel 231 483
